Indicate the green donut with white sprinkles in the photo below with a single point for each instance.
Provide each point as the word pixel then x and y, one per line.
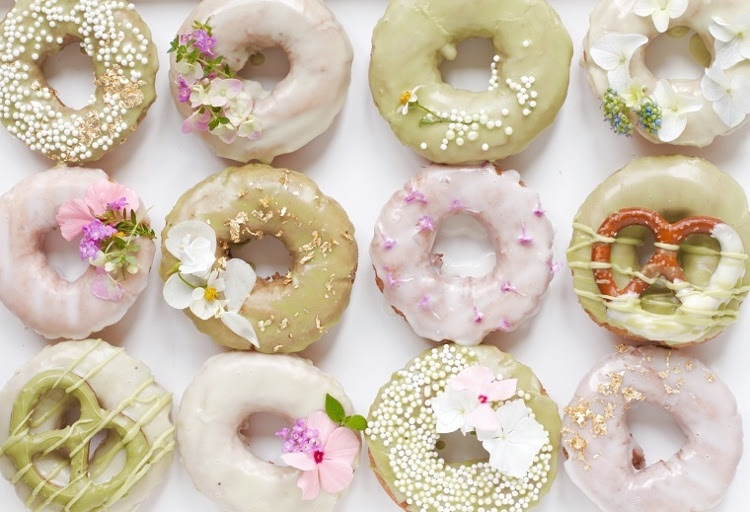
pixel 475 391
pixel 125 63
pixel 527 86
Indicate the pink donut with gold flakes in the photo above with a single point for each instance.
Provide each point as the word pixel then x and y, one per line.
pixel 463 309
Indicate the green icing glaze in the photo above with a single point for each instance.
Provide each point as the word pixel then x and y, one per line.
pixel 677 187
pixel 544 408
pixel 81 494
pixel 126 96
pixel 241 204
pixel 414 37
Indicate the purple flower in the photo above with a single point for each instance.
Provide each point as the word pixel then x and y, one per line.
pixel 424 302
pixel 204 42
pixel 388 243
pixel 93 235
pixel 118 205
pixel 478 316
pixel 504 326
pixel 300 438
pixel 184 89
pixel 415 196
pixel 508 287
pixel 426 223
pixel 456 205
pixel 524 239
pixel 391 280
pixel 184 38
pixel 554 266
pixel 538 210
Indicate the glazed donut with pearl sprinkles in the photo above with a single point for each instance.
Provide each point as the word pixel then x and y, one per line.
pixel 605 460
pixel 125 63
pixel 460 308
pixel 477 390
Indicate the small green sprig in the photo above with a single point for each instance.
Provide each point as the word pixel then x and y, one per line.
pixel 120 250
pixel 336 412
pixel 194 52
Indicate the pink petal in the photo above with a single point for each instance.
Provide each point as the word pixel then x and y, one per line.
pixel 104 192
pixel 323 424
pixel 72 217
pixel 343 444
pixel 197 122
pixel 502 390
pixel 335 475
pixel 474 378
pixel 106 288
pixel 299 460
pixel 483 418
pixel 309 482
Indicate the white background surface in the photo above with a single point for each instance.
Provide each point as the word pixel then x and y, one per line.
pixel 360 163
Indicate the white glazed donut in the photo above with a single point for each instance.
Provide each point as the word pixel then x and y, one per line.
pixel 228 390
pixel 262 124
pixel 457 308
pixel 604 459
pixel 117 395
pixel 687 112
pixel 30 287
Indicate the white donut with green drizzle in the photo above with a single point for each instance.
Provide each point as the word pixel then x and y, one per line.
pixel 605 461
pixel 50 460
pixel 458 308
pixel 686 112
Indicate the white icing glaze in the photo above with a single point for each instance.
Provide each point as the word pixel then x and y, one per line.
pixel 306 101
pixel 627 312
pixel 118 381
pixel 29 286
pixel 463 309
pixel 618 17
pixel 601 450
pixel 229 388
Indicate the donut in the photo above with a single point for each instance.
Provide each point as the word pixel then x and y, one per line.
pixel 237 117
pixel 606 462
pixel 59 404
pixel 215 412
pixel 685 112
pixel 457 308
pixel 222 295
pixel 125 62
pixel 693 283
pixel 477 390
pixel 448 125
pixel 113 235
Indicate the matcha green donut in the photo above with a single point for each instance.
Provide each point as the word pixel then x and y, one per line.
pixel 672 312
pixel 287 313
pixel 477 390
pixel 527 87
pixel 125 63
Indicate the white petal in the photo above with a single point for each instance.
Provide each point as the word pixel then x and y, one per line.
pixel 241 326
pixel 728 111
pixel 645 8
pixel 619 78
pixel 728 54
pixel 609 51
pixel 191 228
pixel 204 309
pixel 451 408
pixel 240 281
pixel 722 30
pixel 714 84
pixel 741 93
pixel 745 47
pixel 177 293
pixel 664 94
pixel 661 20
pixel 511 413
pixel 672 126
pixel 676 8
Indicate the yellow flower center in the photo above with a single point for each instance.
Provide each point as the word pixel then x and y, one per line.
pixel 405 97
pixel 120 234
pixel 210 293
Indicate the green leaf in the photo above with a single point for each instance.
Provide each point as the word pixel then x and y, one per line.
pixel 335 410
pixel 356 422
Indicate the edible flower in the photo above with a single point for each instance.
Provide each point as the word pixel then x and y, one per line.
pixel 408 98
pixel 661 11
pixel 730 96
pixel 674 110
pixel 613 53
pixel 732 40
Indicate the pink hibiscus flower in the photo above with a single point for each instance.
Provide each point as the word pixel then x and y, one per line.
pixel 330 465
pixel 76 214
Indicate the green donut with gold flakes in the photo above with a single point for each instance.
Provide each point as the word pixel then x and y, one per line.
pixel 675 187
pixel 286 312
pixel 124 59
pixel 450 383
pixel 528 82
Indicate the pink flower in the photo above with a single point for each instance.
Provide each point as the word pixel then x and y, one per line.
pixel 525 238
pixel 329 467
pixel 426 223
pixel 198 122
pixel 72 216
pixel 222 91
pixel 480 381
pixel 103 194
pixel 106 288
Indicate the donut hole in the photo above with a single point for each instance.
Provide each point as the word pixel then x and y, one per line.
pixel 268 256
pixel 106 457
pixel 470 69
pixel 699 256
pixel 257 433
pixel 71 73
pixel 54 467
pixel 63 256
pixel 268 67
pixel 462 248
pixel 678 54
pixel 459 448
pixel 54 411
pixel 655 432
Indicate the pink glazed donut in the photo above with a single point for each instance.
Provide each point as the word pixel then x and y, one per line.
pixel 457 308
pixel 605 461
pixel 33 290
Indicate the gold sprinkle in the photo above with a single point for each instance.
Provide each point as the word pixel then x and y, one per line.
pixel 670 390
pixel 578 444
pixel 279 234
pixel 630 394
pixel 277 348
pixel 663 374
pixel 609 410
pixel 263 217
pixel 613 386
pixel 236 225
pixel 36 85
pixel 89 128
pixel 128 93
pixel 284 178
pixel 222 262
pixel 241 194
pixel 600 425
pixel 307 257
pixel 284 324
pixel 622 348
pixel 579 413
pixel 265 201
pixel 317 323
pixel 282 212
pixel 346 235
pixel 262 324
pixel 710 377
pixel 689 366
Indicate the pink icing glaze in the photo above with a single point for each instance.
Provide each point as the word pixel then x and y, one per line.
pixel 463 309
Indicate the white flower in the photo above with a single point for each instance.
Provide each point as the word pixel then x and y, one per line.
pixel 674 110
pixel 452 410
pixel 191 72
pixel 223 91
pixel 408 98
pixel 732 40
pixel 661 11
pixel 199 95
pixel 634 93
pixel 240 108
pixel 205 300
pixel 193 243
pixel 226 132
pixel 613 53
pixel 519 439
pixel 730 97
pixel 250 129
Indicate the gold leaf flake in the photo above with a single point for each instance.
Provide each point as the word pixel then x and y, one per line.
pixel 689 366
pixel 579 413
pixel 710 377
pixel 127 93
pixel 600 425
pixel 89 128
pixel 235 226
pixel 614 384
pixel 630 394
pixel 622 348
